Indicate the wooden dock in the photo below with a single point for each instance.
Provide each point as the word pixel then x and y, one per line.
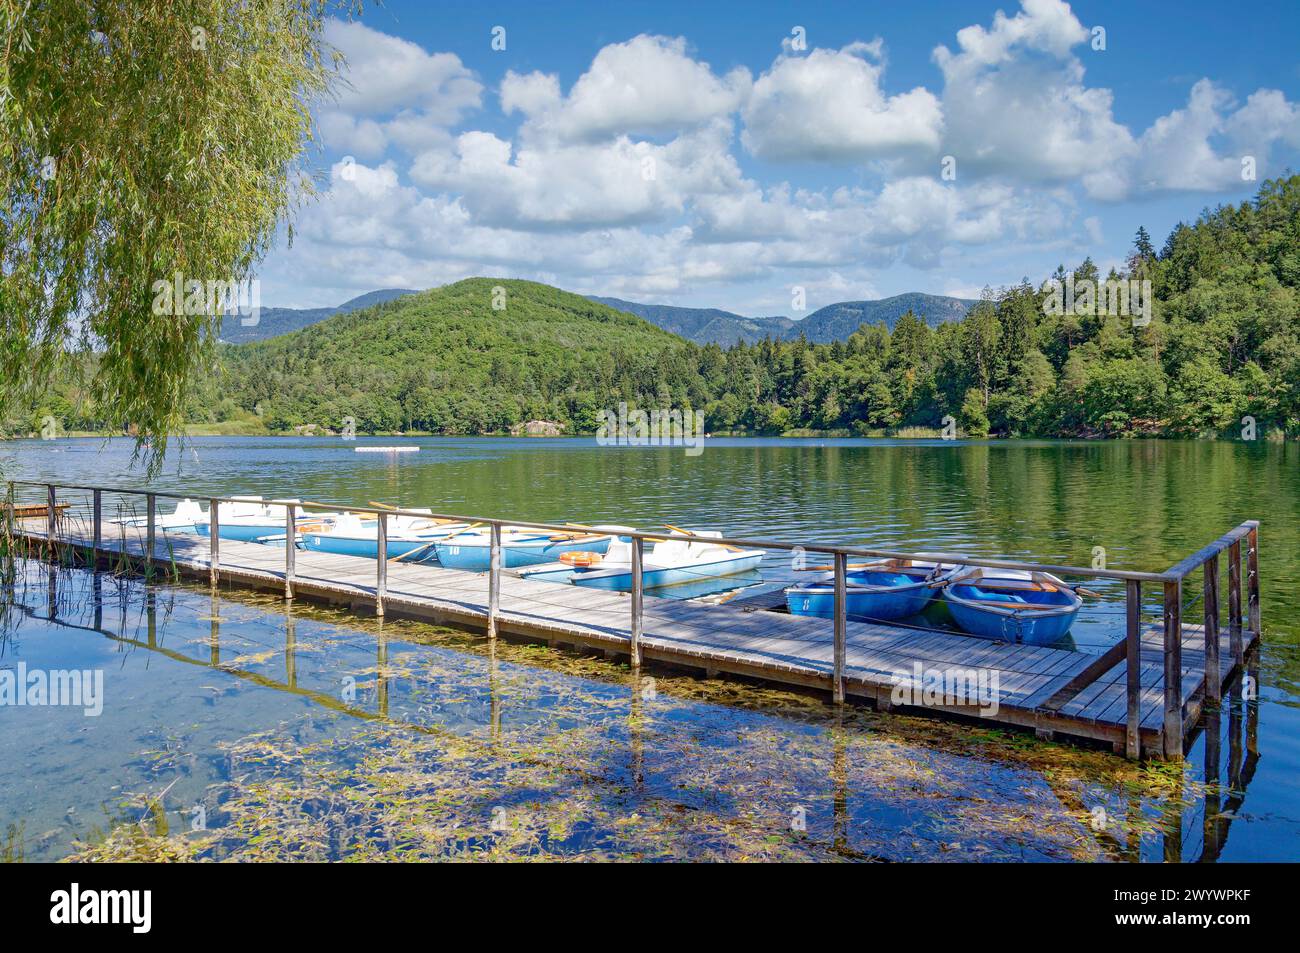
pixel 1054 692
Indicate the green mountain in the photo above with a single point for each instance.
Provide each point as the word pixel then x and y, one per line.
pixel 704 325
pixel 274 321
pixel 836 322
pixel 447 360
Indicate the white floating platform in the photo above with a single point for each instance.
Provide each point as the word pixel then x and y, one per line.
pixel 386 449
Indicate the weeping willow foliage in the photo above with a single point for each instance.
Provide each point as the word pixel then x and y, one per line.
pixel 140 141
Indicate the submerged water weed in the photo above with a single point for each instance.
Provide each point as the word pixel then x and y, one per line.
pixel 11 849
pixel 393 792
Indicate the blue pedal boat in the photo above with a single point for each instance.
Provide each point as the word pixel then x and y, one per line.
pixel 473 551
pixel 1012 605
pixel 880 591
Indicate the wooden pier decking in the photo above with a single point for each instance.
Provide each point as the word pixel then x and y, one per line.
pixel 1051 691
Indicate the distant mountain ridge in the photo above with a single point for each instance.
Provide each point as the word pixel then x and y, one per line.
pixel 703 325
pixel 835 322
pixel 273 322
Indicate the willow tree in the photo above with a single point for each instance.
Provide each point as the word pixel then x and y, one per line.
pixel 143 142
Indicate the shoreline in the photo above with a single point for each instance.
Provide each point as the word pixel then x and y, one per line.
pixel 908 433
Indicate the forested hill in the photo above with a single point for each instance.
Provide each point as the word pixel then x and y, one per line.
pixel 1219 355
pixel 447 360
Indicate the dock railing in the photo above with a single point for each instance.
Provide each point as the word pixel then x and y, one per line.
pixel 1127 650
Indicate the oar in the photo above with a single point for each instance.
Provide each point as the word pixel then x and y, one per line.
pixel 460 532
pixel 326 506
pixel 846 566
pixel 418 549
pixel 435 520
pixel 678 529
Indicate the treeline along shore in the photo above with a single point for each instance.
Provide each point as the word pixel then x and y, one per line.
pixel 1200 336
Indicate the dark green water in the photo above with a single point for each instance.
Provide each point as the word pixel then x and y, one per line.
pixel 700 770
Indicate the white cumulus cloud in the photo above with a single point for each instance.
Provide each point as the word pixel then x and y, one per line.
pixel 648 85
pixel 392 92
pixel 829 105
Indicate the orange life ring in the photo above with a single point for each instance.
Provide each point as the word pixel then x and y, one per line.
pixel 580 557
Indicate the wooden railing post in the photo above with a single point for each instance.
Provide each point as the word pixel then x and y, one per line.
pixel 51 522
pixel 214 542
pixel 1213 675
pixel 96 521
pixel 1173 732
pixel 381 558
pixel 1234 603
pixel 1252 580
pixel 841 626
pixel 494 580
pixel 1133 670
pixel 290 547
pixel 150 530
pixel 638 549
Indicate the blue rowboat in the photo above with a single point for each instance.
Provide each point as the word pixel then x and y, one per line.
pixel 351 535
pixel 249 519
pixel 243 532
pixel 367 546
pixel 473 551
pixel 1033 608
pixel 891 589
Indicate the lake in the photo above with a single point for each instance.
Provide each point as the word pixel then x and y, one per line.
pixel 261 718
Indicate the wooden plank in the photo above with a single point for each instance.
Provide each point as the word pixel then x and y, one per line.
pixel 1210 597
pixel 1234 603
pixel 1173 738
pixel 1132 669
pixel 841 624
pixel 1095 669
pixel 1252 580
pixel 214 542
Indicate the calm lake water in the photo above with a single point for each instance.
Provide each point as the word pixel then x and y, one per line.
pixel 260 721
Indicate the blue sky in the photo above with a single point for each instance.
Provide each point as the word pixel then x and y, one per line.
pixel 716 155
